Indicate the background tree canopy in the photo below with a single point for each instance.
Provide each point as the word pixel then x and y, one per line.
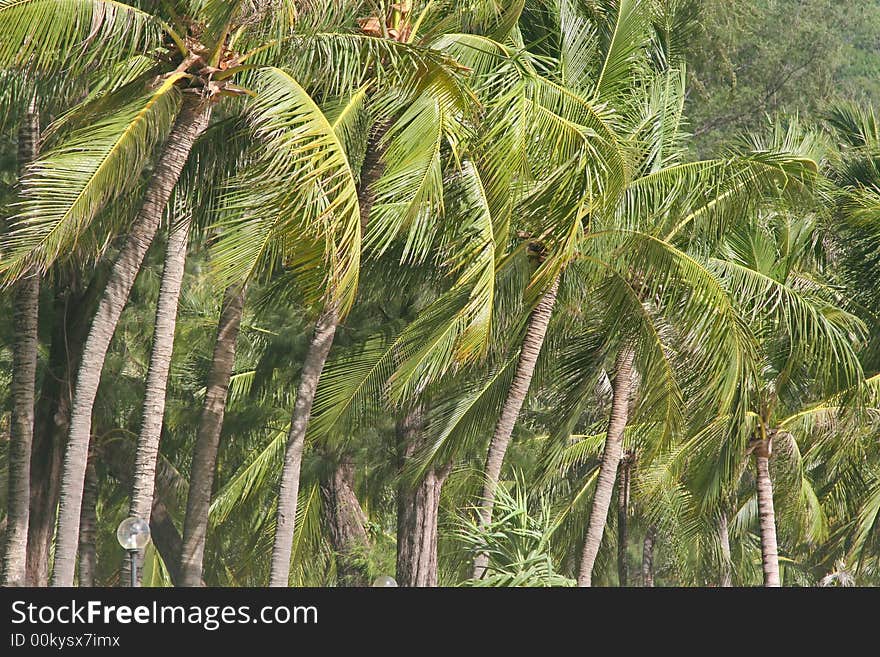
pixel 757 57
pixel 484 293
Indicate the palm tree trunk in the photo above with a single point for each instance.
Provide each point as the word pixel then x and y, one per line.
pixel 519 388
pixel 622 389
pixel 88 525
pixel 418 508
pixel 724 540
pixel 319 348
pixel 346 522
pixel 191 122
pixel 204 459
pixel 25 312
pixel 623 521
pixel 648 557
pixel 157 374
pixel 70 313
pixel 769 549
pixel 24 370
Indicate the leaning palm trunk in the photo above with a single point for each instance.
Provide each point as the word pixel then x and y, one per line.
pixel 88 526
pixel 319 348
pixel 346 522
pixel 143 483
pixel 204 460
pixel 622 389
pixel 623 491
pixel 25 310
pixel 191 122
pixel 766 513
pixel 71 310
pixel 418 507
pixel 519 388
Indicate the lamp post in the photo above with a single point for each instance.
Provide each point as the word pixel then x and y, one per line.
pixel 384 580
pixel 133 535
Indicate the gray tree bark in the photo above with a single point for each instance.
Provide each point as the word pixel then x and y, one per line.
pixel 162 350
pixel 622 389
pixel 766 513
pixel 418 508
pixel 519 388
pixel 648 557
pixel 346 523
pixel 88 526
pixel 319 348
pixel 204 459
pixel 623 520
pixel 25 311
pixel 724 540
pixel 191 122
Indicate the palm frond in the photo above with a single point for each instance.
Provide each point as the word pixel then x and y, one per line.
pixel 64 189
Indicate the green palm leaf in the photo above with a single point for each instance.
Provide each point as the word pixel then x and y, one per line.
pixel 94 164
pixel 55 34
pixel 301 189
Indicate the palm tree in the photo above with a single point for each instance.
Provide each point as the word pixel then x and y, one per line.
pixel 174 111
pixel 399 178
pixel 25 314
pixel 807 342
pixel 621 179
pixel 204 459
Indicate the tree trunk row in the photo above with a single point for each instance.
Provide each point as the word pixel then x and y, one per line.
pixel 191 122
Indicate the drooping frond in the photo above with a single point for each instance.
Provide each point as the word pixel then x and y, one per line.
pixel 301 185
pixel 95 163
pixel 60 34
pixel 250 477
pixel 627 37
pixel 822 336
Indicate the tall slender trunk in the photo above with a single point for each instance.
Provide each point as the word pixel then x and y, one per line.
pixel 204 459
pixel 621 391
pixel 319 348
pixel 25 312
pixel 71 310
pixel 623 520
pixel 88 525
pixel 724 540
pixel 418 507
pixel 519 388
pixel 346 523
pixel 648 556
pixel 191 122
pixel 769 549
pixel 24 370
pixel 143 483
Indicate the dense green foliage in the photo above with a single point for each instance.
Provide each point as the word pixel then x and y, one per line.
pixel 693 174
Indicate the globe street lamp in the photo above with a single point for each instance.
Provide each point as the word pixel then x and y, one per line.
pixel 384 580
pixel 133 535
